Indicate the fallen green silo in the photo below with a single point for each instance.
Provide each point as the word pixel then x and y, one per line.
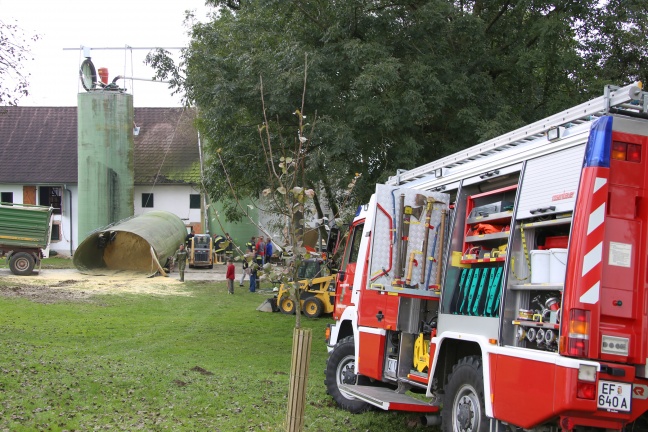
pixel 141 244
pixel 105 150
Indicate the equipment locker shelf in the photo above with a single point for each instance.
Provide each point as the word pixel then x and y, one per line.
pixel 490 210
pixel 536 287
pixel 531 234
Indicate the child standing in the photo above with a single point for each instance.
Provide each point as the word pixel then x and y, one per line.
pixel 229 275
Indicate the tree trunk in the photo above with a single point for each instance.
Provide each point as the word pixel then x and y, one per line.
pixel 301 351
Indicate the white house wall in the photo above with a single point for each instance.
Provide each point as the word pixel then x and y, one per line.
pixel 174 199
pixel 171 198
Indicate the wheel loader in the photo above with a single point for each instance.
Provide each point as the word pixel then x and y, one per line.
pixel 317 290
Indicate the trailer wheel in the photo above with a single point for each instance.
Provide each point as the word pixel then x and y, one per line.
pixel 313 307
pixel 22 264
pixel 463 406
pixel 339 370
pixel 287 305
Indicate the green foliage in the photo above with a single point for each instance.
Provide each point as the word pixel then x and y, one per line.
pixel 398 84
pixel 14 51
pixel 208 361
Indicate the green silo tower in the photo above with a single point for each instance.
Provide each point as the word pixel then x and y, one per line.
pixel 105 150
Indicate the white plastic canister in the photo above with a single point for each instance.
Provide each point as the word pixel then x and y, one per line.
pixel 557 266
pixel 539 266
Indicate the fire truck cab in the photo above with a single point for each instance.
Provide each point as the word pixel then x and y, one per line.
pixel 506 282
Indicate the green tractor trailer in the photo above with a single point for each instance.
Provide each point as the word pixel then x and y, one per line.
pixel 24 235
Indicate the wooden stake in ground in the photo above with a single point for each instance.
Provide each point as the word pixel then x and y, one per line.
pixel 298 376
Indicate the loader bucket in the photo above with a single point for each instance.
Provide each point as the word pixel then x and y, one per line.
pixel 270 305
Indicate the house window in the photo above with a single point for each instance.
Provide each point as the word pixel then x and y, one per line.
pixel 50 196
pixel 147 200
pixel 55 235
pixel 194 201
pixel 6 197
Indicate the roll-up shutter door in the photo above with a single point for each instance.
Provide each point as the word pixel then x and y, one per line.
pixel 550 183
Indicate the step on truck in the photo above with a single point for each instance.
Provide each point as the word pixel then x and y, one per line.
pixel 24 235
pixel 506 283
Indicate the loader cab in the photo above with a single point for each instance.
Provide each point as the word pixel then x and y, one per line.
pixel 201 253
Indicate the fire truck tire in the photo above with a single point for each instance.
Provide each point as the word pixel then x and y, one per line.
pixel 22 264
pixel 463 406
pixel 286 305
pixel 313 307
pixel 641 424
pixel 339 370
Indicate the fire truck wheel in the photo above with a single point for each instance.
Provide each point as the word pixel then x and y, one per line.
pixel 313 307
pixel 339 370
pixel 22 264
pixel 641 424
pixel 286 305
pixel 463 406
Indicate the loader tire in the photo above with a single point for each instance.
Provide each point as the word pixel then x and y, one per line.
pixel 340 370
pixel 463 405
pixel 22 264
pixel 313 307
pixel 287 305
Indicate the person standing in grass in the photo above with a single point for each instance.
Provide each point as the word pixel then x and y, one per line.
pixel 245 271
pixel 254 267
pixel 180 257
pixel 268 250
pixel 260 251
pixel 229 275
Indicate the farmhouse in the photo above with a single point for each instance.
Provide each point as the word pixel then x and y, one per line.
pixel 39 165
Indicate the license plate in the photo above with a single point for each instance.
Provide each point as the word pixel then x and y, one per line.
pixel 391 365
pixel 614 396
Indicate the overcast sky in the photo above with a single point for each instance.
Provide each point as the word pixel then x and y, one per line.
pixel 54 72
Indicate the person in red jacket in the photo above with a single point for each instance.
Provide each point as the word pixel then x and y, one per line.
pixel 229 275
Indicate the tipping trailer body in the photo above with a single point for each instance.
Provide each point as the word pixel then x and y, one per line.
pixel 24 235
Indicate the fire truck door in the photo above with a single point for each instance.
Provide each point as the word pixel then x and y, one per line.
pixel 346 275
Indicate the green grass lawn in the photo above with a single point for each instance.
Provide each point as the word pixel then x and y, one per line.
pixel 208 361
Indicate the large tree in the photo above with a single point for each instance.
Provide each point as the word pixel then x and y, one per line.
pixel 395 84
pixel 13 53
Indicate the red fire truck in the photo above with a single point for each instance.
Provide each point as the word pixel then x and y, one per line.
pixel 506 282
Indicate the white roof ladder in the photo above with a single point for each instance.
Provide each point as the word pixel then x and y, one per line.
pixel 629 99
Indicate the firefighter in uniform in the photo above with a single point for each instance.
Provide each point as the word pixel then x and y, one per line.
pixel 180 257
pixel 229 249
pixel 219 248
pixel 250 245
